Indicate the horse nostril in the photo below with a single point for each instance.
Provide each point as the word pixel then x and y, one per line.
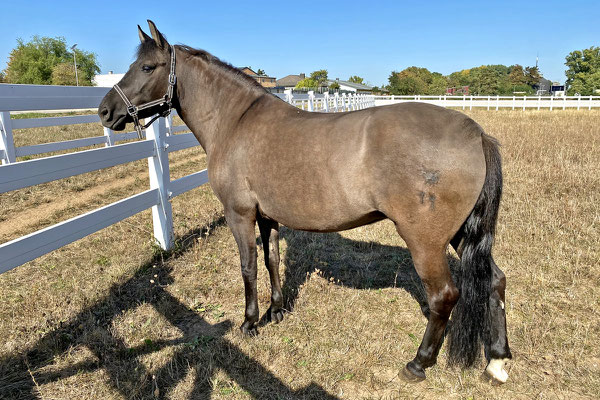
pixel 104 113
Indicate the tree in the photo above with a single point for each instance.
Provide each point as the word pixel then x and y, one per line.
pixel 307 83
pixel 415 80
pixel 34 61
pixel 319 75
pixel 517 77
pixel 355 79
pixel 261 72
pixel 334 86
pixel 64 74
pixel 583 71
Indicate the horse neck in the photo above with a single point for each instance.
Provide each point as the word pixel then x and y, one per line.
pixel 211 99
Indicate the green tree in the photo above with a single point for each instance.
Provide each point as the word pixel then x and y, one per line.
pixel 319 75
pixel 261 72
pixel 517 77
pixel 415 80
pixel 64 74
pixel 355 79
pixel 307 83
pixel 34 61
pixel 583 71
pixel 334 86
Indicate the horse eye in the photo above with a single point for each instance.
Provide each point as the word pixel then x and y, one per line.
pixel 148 68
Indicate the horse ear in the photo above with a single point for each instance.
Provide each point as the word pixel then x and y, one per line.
pixel 143 36
pixel 156 35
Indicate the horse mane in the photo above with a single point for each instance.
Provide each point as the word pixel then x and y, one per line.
pixel 228 68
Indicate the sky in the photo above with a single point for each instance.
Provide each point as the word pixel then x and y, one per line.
pixel 365 38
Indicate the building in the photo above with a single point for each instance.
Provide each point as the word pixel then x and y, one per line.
pixel 289 81
pixel 265 81
pixel 346 86
pixel 107 80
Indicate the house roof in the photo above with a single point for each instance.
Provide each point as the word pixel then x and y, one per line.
pixel 290 80
pixel 358 86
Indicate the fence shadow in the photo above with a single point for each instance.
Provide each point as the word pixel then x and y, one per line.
pixel 203 346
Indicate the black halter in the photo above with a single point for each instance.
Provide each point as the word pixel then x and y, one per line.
pixel 166 99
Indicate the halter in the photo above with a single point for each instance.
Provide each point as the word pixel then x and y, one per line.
pixel 166 99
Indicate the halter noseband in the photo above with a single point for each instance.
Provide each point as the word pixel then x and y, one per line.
pixel 166 99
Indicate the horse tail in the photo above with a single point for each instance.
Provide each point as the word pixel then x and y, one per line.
pixel 471 313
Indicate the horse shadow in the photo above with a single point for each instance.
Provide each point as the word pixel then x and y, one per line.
pixel 202 346
pixel 355 264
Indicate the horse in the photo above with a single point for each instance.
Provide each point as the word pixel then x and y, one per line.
pixel 434 172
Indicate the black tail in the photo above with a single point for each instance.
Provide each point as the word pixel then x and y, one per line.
pixel 471 313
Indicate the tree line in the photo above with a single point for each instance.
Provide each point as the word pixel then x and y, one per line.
pixel 49 61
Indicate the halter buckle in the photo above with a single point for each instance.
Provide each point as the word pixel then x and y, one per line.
pixel 132 110
pixel 172 79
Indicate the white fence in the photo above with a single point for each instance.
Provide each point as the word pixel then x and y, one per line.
pixel 498 102
pixel 158 143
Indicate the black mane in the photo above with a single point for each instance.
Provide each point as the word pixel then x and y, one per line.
pixel 210 59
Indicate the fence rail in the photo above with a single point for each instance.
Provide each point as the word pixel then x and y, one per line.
pixel 498 102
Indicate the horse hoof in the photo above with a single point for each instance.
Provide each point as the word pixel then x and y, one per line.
pixel 495 372
pixel 275 316
pixel 412 374
pixel 249 332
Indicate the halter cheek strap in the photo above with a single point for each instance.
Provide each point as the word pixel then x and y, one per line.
pixel 167 99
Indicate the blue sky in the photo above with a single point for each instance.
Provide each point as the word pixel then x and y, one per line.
pixel 366 38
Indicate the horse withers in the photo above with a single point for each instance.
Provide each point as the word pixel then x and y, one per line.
pixel 432 171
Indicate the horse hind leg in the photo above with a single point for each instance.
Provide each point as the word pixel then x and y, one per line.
pixel 269 233
pixel 432 267
pixel 496 346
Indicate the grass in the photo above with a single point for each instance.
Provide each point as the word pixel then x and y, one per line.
pixel 110 316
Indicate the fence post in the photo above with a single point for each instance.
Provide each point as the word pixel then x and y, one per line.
pixel 514 101
pixel 288 95
pixel 551 101
pixel 590 105
pixel 326 94
pixel 464 101
pixel 336 99
pixel 564 102
pixel 488 102
pixel 169 124
pixel 344 102
pixel 524 102
pixel 160 178
pixel 539 102
pixel 110 137
pixel 578 102
pixel 6 138
pixel 311 99
pixel 471 103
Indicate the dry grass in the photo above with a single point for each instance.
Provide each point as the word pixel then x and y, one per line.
pixel 111 317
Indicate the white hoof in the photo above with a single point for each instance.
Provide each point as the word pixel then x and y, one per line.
pixel 495 369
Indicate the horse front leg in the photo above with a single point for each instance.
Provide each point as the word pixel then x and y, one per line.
pixel 269 233
pixel 242 226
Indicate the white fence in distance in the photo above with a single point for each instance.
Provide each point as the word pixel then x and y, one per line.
pixel 499 102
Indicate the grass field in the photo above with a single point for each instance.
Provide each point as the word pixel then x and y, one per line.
pixel 111 317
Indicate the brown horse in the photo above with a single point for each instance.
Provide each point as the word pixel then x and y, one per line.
pixel 432 171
